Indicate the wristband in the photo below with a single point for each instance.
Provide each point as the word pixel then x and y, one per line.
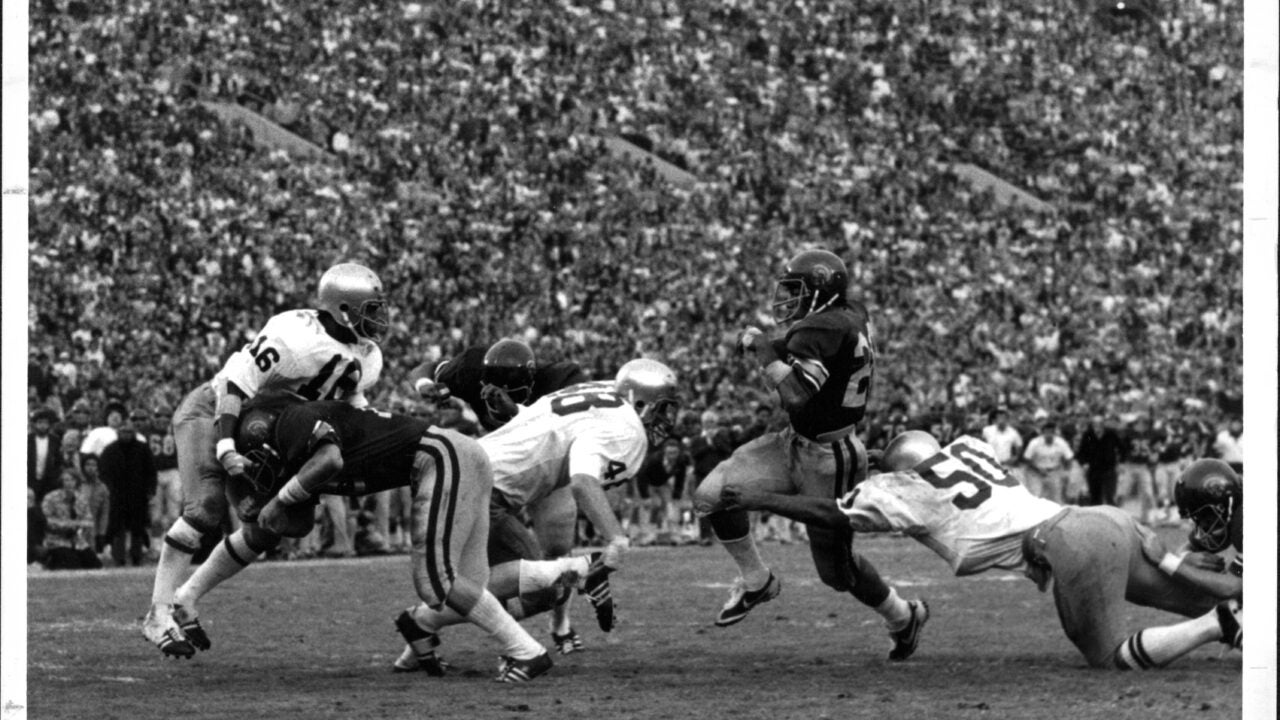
pixel 422 384
pixel 224 446
pixel 777 371
pixel 293 492
pixel 1170 563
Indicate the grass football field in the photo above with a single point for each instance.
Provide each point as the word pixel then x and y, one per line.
pixel 314 639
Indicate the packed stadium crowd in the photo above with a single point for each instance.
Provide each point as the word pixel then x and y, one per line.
pixel 464 164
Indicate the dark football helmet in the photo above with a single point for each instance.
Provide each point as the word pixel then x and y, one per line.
pixel 509 364
pixel 353 295
pixel 1209 492
pixel 812 281
pixel 254 436
pixel 650 387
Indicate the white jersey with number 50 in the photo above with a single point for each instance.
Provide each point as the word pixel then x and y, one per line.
pixel 582 430
pixel 961 503
pixel 294 353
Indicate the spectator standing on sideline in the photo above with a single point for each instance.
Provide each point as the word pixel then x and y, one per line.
pixel 1000 435
pixel 44 453
pixel 129 470
pixel 99 502
pixel 1229 445
pixel 1137 469
pixel 1099 454
pixel 36 528
pixel 101 436
pixel 1172 455
pixel 69 524
pixel 1048 459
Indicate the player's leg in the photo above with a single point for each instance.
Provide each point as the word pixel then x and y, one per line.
pixel 1089 581
pixel 762 464
pixel 236 552
pixel 204 505
pixel 554 517
pixel 1155 647
pixel 831 470
pixel 450 518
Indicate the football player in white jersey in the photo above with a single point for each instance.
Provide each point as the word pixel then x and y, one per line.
pixel 327 353
pixel 553 458
pixel 961 503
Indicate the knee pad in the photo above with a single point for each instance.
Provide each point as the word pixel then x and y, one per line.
pixel 187 534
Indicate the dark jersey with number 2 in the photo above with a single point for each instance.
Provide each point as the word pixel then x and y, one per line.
pixel 378 448
pixel 832 351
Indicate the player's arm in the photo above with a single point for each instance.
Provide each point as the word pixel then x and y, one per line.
pixel 592 501
pixel 816 511
pixel 1192 568
pixel 794 384
pixel 230 400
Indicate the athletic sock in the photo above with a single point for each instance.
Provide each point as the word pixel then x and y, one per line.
pixel 180 543
pixel 895 611
pixel 538 575
pixel 230 557
pixel 743 551
pixel 1158 646
pixel 516 642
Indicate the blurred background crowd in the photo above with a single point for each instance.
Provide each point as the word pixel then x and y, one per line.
pixel 460 156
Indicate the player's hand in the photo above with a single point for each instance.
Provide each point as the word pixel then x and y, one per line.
pixel 1152 547
pixel 272 516
pixel 873 460
pixel 432 391
pixel 1205 561
pixel 234 463
pixel 500 404
pixel 736 497
pixel 747 341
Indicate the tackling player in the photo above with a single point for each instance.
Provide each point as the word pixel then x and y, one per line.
pixel 299 450
pixel 495 381
pixel 556 457
pixel 822 371
pixel 328 353
pixel 961 503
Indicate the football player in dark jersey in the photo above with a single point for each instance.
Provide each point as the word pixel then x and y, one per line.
pixel 495 381
pixel 822 370
pixel 298 450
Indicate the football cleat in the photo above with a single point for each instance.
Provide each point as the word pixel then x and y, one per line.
pixel 906 639
pixel 420 648
pixel 1231 620
pixel 742 600
pixel 192 630
pixel 160 630
pixel 567 643
pixel 511 670
pixel 596 588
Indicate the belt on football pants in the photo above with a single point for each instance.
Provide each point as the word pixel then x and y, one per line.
pixel 1035 539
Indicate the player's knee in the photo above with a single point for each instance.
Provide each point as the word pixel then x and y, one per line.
pixel 205 512
pixel 837 578
pixel 259 539
pixel 706 498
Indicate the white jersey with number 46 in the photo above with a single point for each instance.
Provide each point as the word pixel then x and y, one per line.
pixel 294 353
pixel 961 503
pixel 582 430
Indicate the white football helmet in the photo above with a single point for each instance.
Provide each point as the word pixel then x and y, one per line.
pixel 909 449
pixel 651 388
pixel 353 295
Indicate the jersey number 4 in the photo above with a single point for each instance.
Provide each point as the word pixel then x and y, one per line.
pixel 969 466
pixel 326 385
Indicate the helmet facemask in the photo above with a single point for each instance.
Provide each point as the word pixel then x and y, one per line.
pixel 265 468
pixel 370 320
pixel 658 418
pixel 1213 525
pixel 517 382
pixel 789 296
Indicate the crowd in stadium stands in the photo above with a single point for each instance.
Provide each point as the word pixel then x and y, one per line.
pixel 465 166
